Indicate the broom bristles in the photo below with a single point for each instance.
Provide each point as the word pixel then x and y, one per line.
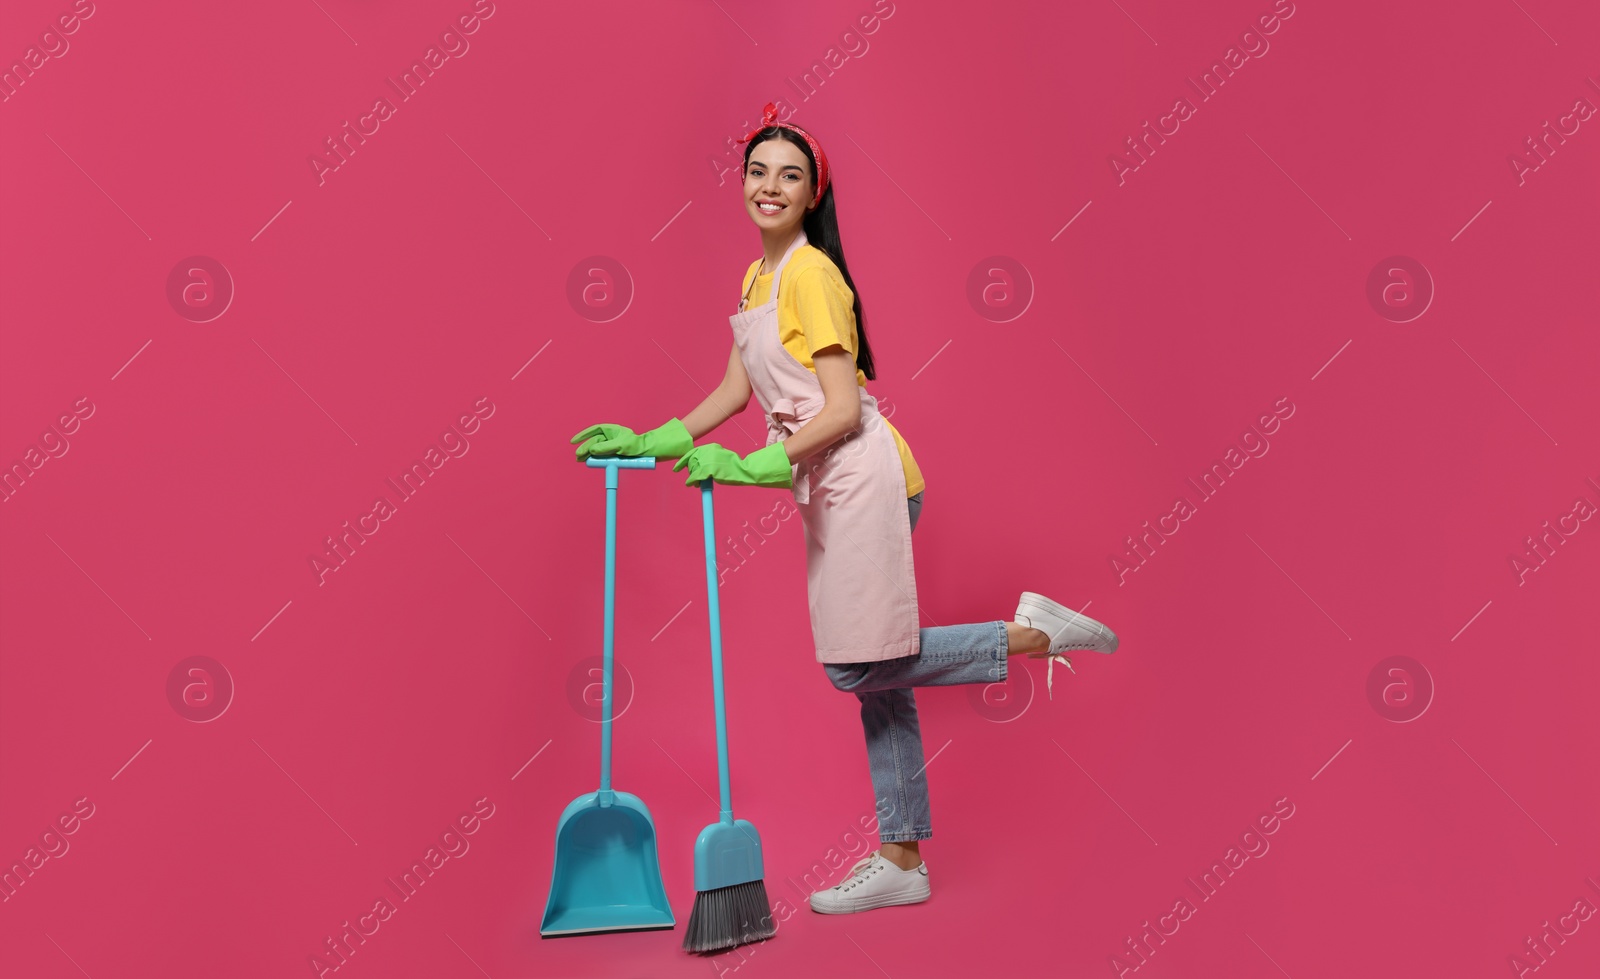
pixel 729 916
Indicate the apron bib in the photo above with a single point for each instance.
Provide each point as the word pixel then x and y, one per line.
pixel 852 500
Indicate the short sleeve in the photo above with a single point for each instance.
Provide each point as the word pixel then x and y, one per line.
pixel 826 310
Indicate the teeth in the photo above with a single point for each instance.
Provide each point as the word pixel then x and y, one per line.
pixel 770 207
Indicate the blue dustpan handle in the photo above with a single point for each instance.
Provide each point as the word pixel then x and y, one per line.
pixel 621 462
pixel 611 464
pixel 715 613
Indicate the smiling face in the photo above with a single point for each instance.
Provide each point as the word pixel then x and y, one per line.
pixel 778 174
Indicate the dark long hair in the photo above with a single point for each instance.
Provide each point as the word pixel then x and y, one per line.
pixel 822 230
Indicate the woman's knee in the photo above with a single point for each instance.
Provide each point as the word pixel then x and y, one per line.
pixel 845 676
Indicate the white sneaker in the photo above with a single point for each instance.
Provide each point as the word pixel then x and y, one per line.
pixel 873 883
pixel 1066 628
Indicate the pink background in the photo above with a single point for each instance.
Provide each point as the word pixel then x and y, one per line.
pixel 1167 313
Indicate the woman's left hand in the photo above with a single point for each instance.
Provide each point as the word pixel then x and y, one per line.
pixel 767 466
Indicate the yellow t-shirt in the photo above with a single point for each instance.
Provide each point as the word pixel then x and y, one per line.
pixel 816 309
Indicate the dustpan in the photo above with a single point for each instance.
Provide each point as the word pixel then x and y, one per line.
pixel 607 874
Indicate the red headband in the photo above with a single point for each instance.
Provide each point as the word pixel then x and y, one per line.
pixel 769 119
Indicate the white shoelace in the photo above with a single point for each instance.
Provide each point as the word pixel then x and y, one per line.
pixel 1050 673
pixel 863 869
pixel 1052 659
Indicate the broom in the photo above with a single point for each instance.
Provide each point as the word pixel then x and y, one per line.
pixel 730 903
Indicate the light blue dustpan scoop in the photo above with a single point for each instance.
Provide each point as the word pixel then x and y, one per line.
pixel 607 875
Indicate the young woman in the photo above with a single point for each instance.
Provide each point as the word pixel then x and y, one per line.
pixel 800 345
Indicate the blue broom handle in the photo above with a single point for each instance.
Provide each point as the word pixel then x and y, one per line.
pixel 715 613
pixel 611 464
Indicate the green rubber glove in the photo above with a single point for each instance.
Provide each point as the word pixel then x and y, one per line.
pixel 768 466
pixel 667 442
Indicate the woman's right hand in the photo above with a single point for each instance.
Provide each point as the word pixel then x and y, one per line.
pixel 608 440
pixel 669 441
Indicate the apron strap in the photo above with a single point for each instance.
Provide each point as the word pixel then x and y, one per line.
pixel 777 273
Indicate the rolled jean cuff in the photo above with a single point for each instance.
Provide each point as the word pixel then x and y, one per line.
pixel 1002 662
pixel 915 836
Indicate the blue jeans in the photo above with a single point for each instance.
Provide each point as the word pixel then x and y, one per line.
pixel 950 654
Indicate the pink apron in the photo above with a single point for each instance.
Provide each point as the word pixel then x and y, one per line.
pixel 852 500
